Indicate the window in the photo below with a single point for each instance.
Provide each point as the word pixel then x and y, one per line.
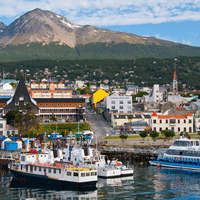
pixel 82 174
pixel 40 169
pixel 76 104
pixel 69 104
pixel 121 107
pixel 166 121
pixel 64 104
pixel 44 169
pixel 190 121
pixel 35 168
pixel 184 128
pixel 58 104
pixel 46 104
pixel 184 121
pixel 22 158
pixel 69 173
pixel 87 173
pixel 1 125
pixel 93 173
pixel 112 107
pixel 54 171
pixel 49 170
pixel 75 174
pixel 112 102
pixel 154 128
pixel 52 104
pixel 160 121
pixel 160 129
pixel 178 121
pixel 40 104
pixel 120 102
pixel 59 171
pixel 154 121
pixel 172 121
pixel 179 129
pixel 129 102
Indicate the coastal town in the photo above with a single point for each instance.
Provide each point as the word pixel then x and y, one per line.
pixel 108 111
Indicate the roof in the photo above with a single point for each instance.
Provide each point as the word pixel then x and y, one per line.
pixel 154 115
pixel 21 95
pixel 60 100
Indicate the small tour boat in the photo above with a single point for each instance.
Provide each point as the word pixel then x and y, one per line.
pixel 41 168
pixel 183 154
pixel 84 154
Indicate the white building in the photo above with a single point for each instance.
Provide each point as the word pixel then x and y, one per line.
pixel 79 84
pixel 158 94
pixel 3 131
pixel 118 104
pixel 177 123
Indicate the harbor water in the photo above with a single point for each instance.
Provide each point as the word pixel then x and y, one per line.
pixel 146 183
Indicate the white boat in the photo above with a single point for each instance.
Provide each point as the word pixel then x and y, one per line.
pixel 84 154
pixel 41 169
pixel 183 154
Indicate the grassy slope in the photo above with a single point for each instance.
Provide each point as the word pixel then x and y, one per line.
pixel 94 51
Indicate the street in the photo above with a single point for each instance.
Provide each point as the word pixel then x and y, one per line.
pixel 98 125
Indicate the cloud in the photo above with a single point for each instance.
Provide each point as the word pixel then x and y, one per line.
pixel 109 12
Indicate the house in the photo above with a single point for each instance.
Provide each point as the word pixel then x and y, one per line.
pixel 177 123
pixel 3 140
pixel 3 131
pixel 10 146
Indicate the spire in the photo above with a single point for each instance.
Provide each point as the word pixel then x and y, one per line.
pixel 175 83
pixel 21 95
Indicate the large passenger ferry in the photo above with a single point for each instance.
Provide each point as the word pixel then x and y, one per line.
pixel 183 154
pixel 41 168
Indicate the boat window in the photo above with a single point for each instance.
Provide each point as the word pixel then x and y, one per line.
pixel 22 158
pixel 44 169
pixel 197 143
pixel 49 170
pixel 32 156
pixel 101 157
pixel 40 169
pixel 69 173
pixel 191 143
pixel 75 174
pixel 87 173
pixel 59 171
pixel 54 171
pixel 21 167
pixel 82 174
pixel 181 143
pixel 95 173
pixel 35 168
pixel 92 173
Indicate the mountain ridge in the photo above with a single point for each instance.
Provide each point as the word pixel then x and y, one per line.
pixel 42 34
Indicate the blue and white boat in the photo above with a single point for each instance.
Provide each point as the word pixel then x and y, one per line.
pixel 183 154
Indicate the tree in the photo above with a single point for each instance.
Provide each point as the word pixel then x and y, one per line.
pixel 154 135
pixel 10 116
pixel 25 119
pixel 123 137
pixel 53 118
pixel 143 134
pixel 168 133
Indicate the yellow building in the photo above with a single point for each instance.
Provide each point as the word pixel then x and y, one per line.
pixel 98 96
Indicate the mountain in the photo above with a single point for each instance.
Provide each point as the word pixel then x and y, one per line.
pixel 2 27
pixel 46 35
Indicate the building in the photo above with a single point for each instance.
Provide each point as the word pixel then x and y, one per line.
pixel 51 90
pixel 177 123
pixel 64 109
pixel 119 119
pixel 117 104
pixel 3 131
pixel 158 94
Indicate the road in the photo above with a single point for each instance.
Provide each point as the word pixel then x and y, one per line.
pixel 98 125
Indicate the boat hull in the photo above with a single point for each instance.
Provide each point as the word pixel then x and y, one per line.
pixel 182 166
pixel 45 181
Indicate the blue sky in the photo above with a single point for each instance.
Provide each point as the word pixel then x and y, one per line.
pixel 173 20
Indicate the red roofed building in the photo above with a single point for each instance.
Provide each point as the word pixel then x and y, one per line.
pixel 177 123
